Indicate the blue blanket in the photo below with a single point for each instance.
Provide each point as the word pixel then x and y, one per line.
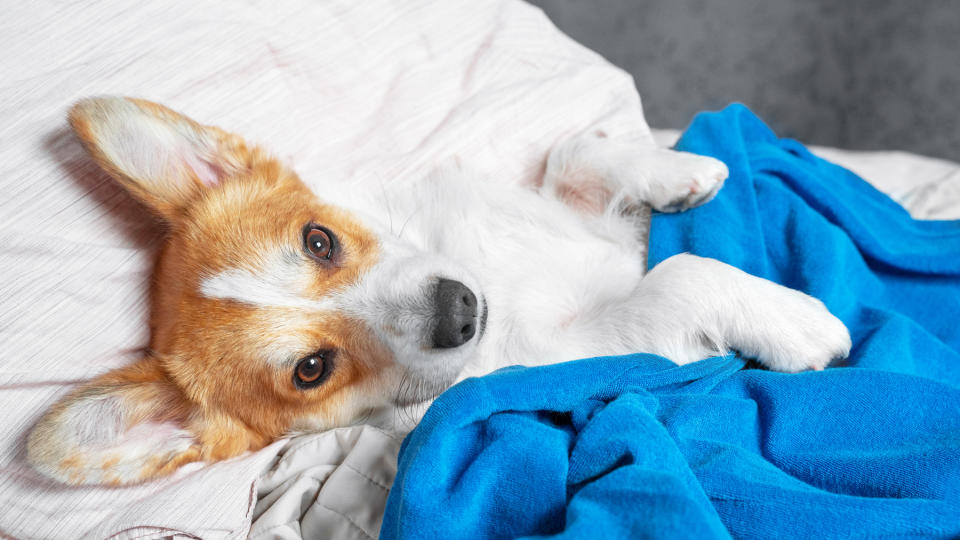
pixel 636 446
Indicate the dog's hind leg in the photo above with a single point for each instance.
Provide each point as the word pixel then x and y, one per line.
pixel 593 173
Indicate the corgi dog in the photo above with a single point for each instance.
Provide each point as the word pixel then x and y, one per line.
pixel 280 310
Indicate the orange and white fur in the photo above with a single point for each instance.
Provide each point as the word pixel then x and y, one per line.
pixel 277 310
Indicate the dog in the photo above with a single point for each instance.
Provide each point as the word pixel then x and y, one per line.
pixel 277 310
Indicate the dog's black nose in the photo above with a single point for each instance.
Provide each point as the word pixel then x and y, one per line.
pixel 456 311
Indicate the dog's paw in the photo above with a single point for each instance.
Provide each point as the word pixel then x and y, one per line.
pixel 803 335
pixel 679 180
pixel 589 173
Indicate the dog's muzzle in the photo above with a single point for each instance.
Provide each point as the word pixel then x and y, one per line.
pixel 456 311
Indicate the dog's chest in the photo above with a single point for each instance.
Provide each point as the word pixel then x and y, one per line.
pixel 544 270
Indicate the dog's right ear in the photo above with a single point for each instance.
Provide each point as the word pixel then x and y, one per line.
pixel 130 425
pixel 161 156
pixel 123 427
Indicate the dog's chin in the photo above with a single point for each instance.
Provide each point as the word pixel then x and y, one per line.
pixel 414 390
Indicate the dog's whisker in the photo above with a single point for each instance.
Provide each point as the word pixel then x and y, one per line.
pixel 406 221
pixel 386 203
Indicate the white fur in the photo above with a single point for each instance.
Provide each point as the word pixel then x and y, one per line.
pixel 559 272
pixel 562 283
pixel 282 280
pixel 395 299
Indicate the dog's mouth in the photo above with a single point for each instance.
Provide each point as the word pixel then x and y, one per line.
pixel 482 323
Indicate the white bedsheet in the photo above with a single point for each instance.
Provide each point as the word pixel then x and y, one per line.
pixel 340 89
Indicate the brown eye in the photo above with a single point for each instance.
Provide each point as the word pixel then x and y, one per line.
pixel 318 241
pixel 312 370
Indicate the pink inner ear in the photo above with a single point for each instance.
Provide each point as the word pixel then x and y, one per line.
pixel 208 173
pixel 98 424
pixel 155 434
pixel 143 441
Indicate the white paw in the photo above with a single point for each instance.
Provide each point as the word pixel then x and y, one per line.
pixel 590 172
pixel 802 335
pixel 679 180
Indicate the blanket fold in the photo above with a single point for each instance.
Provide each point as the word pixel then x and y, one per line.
pixel 636 446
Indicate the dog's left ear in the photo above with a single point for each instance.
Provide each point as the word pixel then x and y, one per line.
pixel 161 156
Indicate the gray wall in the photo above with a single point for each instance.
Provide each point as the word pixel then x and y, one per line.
pixel 867 74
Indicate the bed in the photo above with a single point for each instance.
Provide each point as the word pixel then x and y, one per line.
pixel 338 89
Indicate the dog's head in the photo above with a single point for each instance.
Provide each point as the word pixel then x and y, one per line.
pixel 274 310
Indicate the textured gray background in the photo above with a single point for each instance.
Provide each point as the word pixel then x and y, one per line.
pixel 867 74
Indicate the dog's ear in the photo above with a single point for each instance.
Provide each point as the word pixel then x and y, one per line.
pixel 126 426
pixel 161 156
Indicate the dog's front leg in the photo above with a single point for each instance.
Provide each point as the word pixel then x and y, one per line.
pixel 592 173
pixel 690 307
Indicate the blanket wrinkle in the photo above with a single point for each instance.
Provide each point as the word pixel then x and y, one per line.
pixel 636 446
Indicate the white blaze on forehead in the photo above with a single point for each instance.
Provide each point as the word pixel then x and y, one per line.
pixel 283 350
pixel 283 280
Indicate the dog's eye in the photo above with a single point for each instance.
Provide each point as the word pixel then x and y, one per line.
pixel 318 241
pixel 312 370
